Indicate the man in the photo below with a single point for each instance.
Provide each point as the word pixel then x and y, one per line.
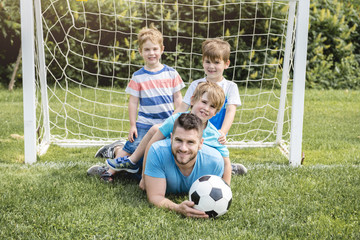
pixel 174 164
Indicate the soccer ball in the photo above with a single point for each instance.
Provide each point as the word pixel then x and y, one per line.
pixel 211 194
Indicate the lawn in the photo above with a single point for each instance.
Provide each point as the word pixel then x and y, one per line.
pixel 54 199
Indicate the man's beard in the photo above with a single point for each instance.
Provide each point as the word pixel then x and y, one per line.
pixel 192 157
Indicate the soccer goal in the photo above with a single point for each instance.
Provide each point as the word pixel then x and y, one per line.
pixel 78 57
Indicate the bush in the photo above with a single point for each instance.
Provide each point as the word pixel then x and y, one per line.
pixel 333 50
pixel 175 49
pixel 9 38
pixel 333 46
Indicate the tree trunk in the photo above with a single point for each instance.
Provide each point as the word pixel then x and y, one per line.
pixel 12 81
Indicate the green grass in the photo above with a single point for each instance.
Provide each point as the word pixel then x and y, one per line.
pixel 54 199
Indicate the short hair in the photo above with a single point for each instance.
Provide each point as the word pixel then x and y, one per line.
pixel 189 121
pixel 214 92
pixel 215 48
pixel 151 34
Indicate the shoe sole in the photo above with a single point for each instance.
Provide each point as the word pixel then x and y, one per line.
pixel 98 155
pixel 242 170
pixel 117 143
pixel 121 170
pixel 94 170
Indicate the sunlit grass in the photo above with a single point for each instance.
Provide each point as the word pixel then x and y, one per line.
pixel 54 199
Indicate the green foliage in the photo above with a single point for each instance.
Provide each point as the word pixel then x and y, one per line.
pixel 114 38
pixel 9 38
pixel 333 46
pixel 333 50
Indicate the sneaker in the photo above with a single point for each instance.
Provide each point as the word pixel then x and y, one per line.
pixel 122 164
pixel 108 151
pixel 238 169
pixel 107 177
pixel 97 170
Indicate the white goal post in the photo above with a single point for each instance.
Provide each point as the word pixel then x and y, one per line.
pixel 78 57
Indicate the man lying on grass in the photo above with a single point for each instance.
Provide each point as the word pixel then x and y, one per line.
pixel 174 164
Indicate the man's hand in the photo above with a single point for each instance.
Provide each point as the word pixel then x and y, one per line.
pixel 186 209
pixel 155 191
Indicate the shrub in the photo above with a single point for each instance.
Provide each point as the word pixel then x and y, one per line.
pixel 333 60
pixel 9 38
pixel 333 46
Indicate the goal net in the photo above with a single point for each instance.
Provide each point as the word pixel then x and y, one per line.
pixel 86 52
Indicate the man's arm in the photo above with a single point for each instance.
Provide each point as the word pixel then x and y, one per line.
pixel 157 137
pixel 155 191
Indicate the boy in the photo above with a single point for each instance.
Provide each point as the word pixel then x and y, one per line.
pixel 207 100
pixel 155 87
pixel 216 58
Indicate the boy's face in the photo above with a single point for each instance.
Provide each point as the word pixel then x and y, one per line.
pixel 151 53
pixel 214 70
pixel 203 108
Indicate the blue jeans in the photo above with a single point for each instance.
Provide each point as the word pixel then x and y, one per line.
pixel 130 147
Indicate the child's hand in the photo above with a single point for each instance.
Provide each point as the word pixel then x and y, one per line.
pixel 142 184
pixel 132 133
pixel 222 138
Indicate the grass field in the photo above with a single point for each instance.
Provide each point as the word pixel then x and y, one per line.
pixel 54 199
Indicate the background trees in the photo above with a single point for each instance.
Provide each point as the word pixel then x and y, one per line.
pixel 333 50
pixel 9 39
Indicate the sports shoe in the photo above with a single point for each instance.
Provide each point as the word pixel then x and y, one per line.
pixel 107 177
pixel 108 151
pixel 97 170
pixel 238 169
pixel 122 164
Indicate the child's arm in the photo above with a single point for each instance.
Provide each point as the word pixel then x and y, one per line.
pixel 185 104
pixel 177 99
pixel 133 105
pixel 228 120
pixel 227 170
pixel 182 108
pixel 157 137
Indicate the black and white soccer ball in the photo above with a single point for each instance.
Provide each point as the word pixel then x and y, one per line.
pixel 211 194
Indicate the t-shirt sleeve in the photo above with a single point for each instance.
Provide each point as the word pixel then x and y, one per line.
pixel 190 92
pixel 153 167
pixel 133 88
pixel 213 161
pixel 219 166
pixel 167 126
pixel 224 151
pixel 233 96
pixel 219 169
pixel 211 135
pixel 178 83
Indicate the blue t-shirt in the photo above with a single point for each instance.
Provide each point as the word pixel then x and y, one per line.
pixel 160 163
pixel 210 134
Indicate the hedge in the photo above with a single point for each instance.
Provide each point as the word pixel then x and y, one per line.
pixel 333 50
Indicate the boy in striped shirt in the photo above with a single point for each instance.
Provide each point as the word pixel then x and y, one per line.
pixel 155 88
